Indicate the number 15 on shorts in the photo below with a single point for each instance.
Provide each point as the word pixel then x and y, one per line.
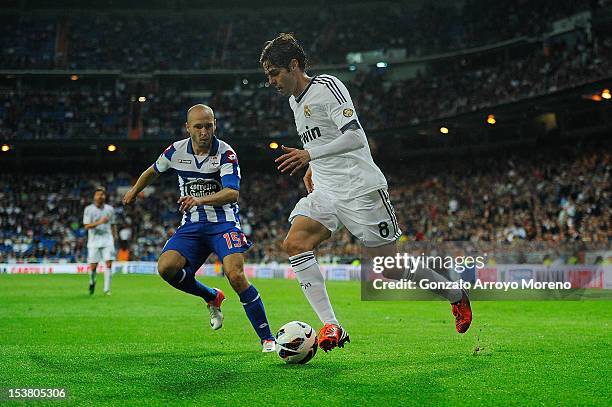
pixel 234 239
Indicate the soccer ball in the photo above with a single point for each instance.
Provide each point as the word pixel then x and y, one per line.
pixel 296 342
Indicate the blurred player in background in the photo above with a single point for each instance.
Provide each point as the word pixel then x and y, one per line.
pixel 345 187
pixel 99 220
pixel 209 184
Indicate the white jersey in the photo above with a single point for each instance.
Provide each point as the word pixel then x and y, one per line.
pixel 101 235
pixel 323 112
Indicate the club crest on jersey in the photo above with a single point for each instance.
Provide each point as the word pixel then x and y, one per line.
pixel 347 112
pixel 307 111
pixel 214 160
pixel 200 187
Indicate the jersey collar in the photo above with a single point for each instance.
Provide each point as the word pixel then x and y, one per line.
pixel 214 148
pixel 297 99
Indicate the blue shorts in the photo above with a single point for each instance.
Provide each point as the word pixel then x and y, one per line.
pixel 196 241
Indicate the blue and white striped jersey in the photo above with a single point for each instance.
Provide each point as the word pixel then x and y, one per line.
pixel 203 175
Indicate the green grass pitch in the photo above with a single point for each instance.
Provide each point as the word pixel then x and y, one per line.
pixel 149 344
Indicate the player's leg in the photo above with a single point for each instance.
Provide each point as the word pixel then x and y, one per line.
pixel 313 220
pixel 109 256
pixel 233 267
pixel 173 267
pixel 181 257
pixel 304 236
pixel 93 257
pixel 371 218
pixel 460 302
pixel 92 277
pixel 229 245
pixel 108 274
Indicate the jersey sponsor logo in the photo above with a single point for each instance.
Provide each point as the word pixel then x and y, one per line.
pixel 307 111
pixel 230 156
pixel 181 161
pixel 310 135
pixel 200 187
pixel 347 112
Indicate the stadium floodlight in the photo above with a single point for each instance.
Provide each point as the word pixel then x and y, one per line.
pixel 142 99
pixel 5 148
pixel 381 64
pixel 606 94
pixel 444 130
pixel 274 145
pixel 491 119
pixel 111 148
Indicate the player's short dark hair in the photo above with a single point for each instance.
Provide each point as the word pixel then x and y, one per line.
pixel 281 50
pixel 99 188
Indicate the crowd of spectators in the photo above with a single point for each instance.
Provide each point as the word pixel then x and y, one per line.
pixel 556 199
pixel 245 109
pixel 201 39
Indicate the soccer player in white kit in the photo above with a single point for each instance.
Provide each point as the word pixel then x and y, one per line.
pixel 99 220
pixel 345 187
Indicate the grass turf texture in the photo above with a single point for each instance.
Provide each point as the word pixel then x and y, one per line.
pixel 150 344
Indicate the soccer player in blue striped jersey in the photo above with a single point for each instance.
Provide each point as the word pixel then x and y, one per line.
pixel 209 184
pixel 345 187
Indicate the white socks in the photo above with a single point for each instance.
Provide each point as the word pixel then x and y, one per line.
pixel 107 279
pixel 313 285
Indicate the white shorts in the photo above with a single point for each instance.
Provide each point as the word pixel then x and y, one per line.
pixel 369 217
pixel 98 254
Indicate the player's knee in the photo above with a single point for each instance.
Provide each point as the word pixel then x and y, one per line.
pixel 237 279
pixel 166 269
pixel 293 246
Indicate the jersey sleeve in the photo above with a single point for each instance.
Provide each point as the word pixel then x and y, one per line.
pixel 164 161
pixel 230 170
pixel 87 216
pixel 340 105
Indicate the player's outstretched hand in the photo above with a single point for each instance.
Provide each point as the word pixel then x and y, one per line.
pixel 129 197
pixel 187 202
pixel 293 159
pixel 308 180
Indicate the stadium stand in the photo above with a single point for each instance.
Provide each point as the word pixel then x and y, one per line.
pixel 548 197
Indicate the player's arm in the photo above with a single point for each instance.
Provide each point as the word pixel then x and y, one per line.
pixel 162 164
pixel 89 223
pixel 145 179
pixel 352 139
pixel 230 180
pixel 225 196
pixel 294 158
pixel 342 112
pixel 99 222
